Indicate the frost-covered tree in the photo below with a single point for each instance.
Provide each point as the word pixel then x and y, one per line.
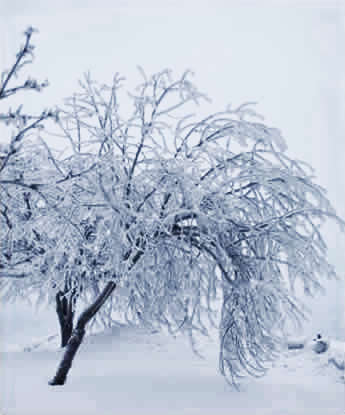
pixel 186 213
pixel 159 217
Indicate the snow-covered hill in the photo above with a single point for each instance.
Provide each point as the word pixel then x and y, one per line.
pixel 129 371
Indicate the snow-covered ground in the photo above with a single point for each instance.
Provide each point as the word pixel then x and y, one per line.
pixel 129 371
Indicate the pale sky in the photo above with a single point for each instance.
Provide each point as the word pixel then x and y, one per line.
pixel 286 55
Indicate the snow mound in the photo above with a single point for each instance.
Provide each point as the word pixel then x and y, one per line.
pixel 334 354
pixel 132 371
pixel 47 343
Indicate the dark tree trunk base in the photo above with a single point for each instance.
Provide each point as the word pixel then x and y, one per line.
pixel 78 334
pixel 66 363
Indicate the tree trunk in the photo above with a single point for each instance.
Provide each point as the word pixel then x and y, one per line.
pixel 65 312
pixel 78 335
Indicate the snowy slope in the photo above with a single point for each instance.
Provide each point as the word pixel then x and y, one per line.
pixel 128 371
